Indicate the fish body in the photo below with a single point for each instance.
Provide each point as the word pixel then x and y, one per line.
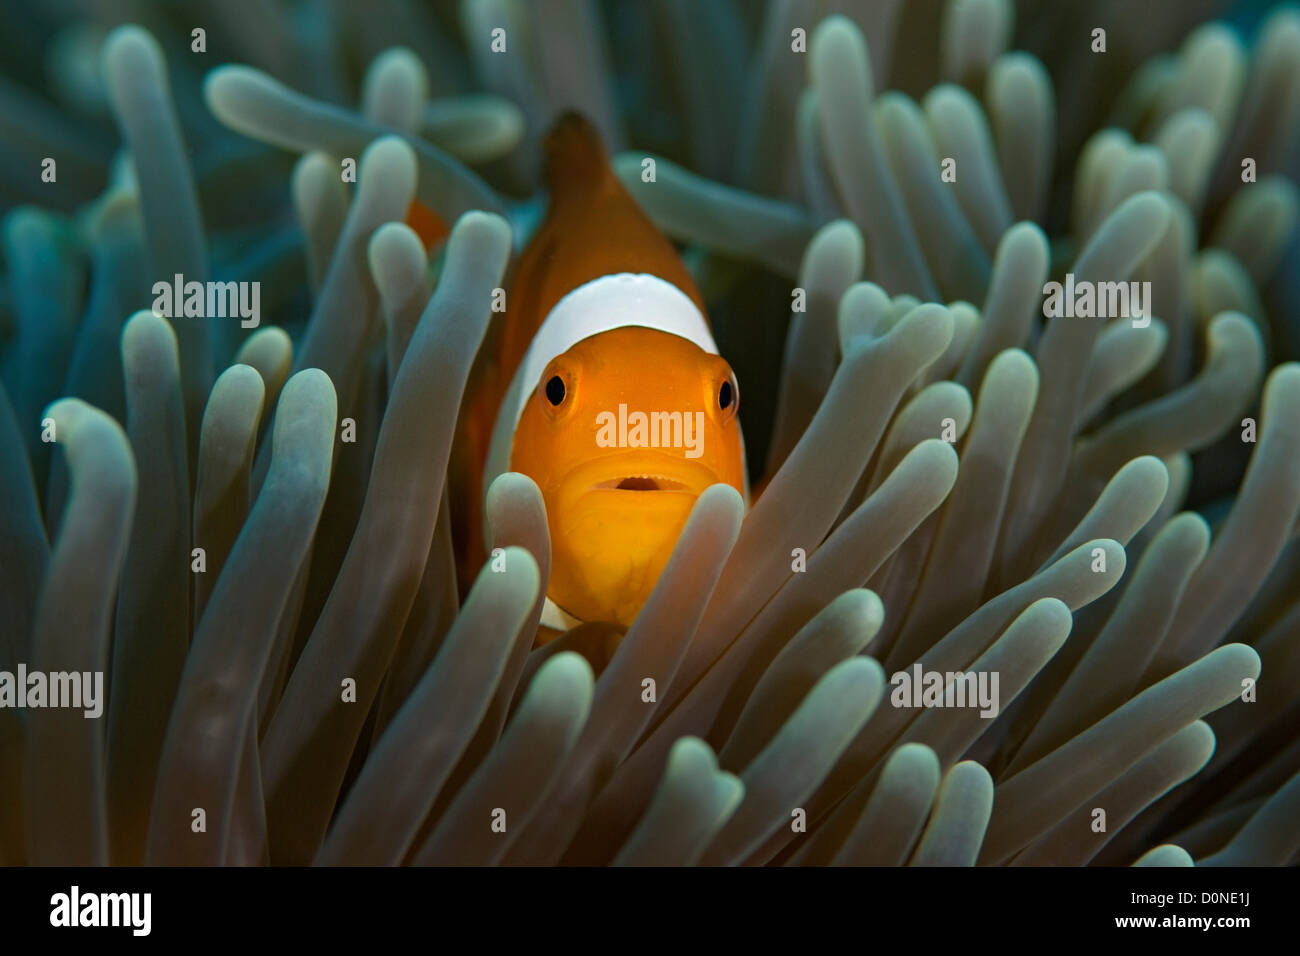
pixel 602 383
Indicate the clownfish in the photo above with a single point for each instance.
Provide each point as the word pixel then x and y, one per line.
pixel 602 383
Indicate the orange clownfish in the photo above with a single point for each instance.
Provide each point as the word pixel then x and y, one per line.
pixel 602 383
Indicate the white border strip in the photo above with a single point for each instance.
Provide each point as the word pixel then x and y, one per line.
pixel 610 302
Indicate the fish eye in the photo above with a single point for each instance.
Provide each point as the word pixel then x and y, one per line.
pixel 727 398
pixel 555 390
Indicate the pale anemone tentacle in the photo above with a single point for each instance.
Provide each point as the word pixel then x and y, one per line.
pixel 153 619
pixel 1100 451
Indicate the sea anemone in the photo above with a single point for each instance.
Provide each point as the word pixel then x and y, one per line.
pixel 248 531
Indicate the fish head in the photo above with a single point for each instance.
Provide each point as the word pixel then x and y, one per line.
pixel 622 433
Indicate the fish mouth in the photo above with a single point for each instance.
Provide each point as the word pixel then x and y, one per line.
pixel 640 474
pixel 641 483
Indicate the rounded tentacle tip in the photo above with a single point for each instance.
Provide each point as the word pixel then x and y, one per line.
pixel 517 564
pixel 228 88
pixel 865 607
pixel 90 434
pixel 1149 204
pixel 512 484
pixel 568 673
pixel 387 163
pixel 238 381
pixel 1167 854
pixel 481 223
pixel 310 386
pixel 836 34
pixel 393 241
pixel 1055 614
pixel 721 496
pixel 142 325
pixel 1241 659
pixel 130 47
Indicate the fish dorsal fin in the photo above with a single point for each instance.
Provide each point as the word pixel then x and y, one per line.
pixel 593 226
pixel 574 158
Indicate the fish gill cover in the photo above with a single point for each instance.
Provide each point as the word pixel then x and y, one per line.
pixel 1011 292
